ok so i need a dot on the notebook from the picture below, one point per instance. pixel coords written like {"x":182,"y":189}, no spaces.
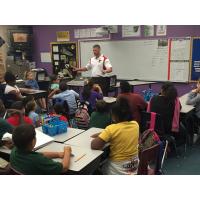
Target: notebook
{"x":42,"y":139}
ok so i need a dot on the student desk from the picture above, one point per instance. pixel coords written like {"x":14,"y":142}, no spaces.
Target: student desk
{"x":185,"y":108}
{"x":76,"y":84}
{"x":86,"y":165}
{"x":84,"y":139}
{"x":36,"y":93}
{"x":109,"y":100}
{"x":42,"y":140}
{"x":71,"y":132}
{"x":134,"y":83}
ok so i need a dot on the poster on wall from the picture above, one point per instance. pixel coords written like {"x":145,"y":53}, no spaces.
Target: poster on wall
{"x":131,"y":31}
{"x":148,"y":30}
{"x":45,"y":57}
{"x":161,"y":30}
{"x":63,"y":36}
{"x":195,"y":67}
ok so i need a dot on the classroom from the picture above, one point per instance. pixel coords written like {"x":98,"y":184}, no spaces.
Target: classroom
{"x":99,"y":99}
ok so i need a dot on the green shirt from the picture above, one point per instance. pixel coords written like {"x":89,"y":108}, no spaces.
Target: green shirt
{"x":100,"y":120}
{"x":33,"y":163}
{"x":4,"y":127}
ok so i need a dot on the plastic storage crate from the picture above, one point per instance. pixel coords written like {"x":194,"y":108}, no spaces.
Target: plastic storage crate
{"x":54,"y":127}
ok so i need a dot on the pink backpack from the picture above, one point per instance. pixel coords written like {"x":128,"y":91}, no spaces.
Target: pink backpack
{"x":149,"y":137}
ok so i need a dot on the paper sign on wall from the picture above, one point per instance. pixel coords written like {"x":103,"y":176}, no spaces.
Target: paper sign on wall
{"x":63,"y":36}
{"x":148,"y":30}
{"x":45,"y":57}
{"x":55,"y":49}
{"x":130,"y":31}
{"x":161,"y":30}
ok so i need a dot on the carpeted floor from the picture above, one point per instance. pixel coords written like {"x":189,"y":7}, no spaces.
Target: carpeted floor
{"x":186,"y":164}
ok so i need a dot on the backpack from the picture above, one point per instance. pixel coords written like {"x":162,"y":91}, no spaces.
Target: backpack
{"x":149,"y":137}
{"x":148,"y":94}
{"x":82,"y":117}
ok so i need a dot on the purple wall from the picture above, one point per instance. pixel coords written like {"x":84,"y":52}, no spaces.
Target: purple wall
{"x":43,"y":35}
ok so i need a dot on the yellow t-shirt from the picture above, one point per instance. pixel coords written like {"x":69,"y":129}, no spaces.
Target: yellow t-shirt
{"x":123,"y":138}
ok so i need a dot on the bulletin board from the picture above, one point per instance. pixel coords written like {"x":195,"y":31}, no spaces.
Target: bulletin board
{"x":64,"y":56}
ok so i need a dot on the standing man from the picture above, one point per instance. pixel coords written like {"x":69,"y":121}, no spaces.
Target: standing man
{"x":99,"y":64}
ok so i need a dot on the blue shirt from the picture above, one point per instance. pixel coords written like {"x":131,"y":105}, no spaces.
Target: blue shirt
{"x":32,"y":84}
{"x":70,"y":96}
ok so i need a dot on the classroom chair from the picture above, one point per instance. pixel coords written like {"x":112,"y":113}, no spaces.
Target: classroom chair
{"x":14,"y":171}
{"x":5,"y":171}
{"x":147,"y":158}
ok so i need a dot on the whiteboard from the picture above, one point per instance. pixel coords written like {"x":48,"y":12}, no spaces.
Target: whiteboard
{"x":131,"y":59}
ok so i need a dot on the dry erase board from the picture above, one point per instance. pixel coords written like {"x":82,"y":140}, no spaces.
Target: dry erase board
{"x":132,"y":59}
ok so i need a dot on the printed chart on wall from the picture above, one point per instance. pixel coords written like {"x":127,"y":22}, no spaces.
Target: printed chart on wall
{"x":179,"y":59}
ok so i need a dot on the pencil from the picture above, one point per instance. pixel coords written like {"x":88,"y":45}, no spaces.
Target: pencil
{"x":80,"y":158}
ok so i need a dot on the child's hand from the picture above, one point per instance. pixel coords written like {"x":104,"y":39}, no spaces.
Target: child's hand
{"x":60,"y":154}
{"x":68,"y":149}
{"x":95,"y":135}
{"x":194,"y":91}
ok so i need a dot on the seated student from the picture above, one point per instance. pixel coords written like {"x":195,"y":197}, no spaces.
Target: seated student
{"x":24,"y":160}
{"x":193,"y":118}
{"x":101,"y":117}
{"x":168,"y":106}
{"x":30,"y":108}
{"x":123,"y":138}
{"x":54,"y":87}
{"x":137,"y":102}
{"x":69,"y":96}
{"x":60,"y":112}
{"x":16,"y":119}
{"x":11,"y":87}
{"x":91,"y":93}
{"x":4,"y":125}
{"x":32,"y":84}
{"x":54,"y":82}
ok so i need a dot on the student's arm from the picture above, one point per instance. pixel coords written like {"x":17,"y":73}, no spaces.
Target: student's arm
{"x":75,"y":94}
{"x":53,"y":92}
{"x":17,"y":94}
{"x":65,"y":155}
{"x":99,"y":142}
{"x":99,"y":89}
{"x":66,"y":158}
{"x":36,"y":85}
{"x":193,"y":98}
{"x":53,"y":154}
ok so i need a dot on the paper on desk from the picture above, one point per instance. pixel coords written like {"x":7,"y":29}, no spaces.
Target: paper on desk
{"x":42,"y":139}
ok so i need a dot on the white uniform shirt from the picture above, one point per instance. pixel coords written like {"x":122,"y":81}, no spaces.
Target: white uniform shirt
{"x":96,"y":65}
{"x":10,"y":88}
